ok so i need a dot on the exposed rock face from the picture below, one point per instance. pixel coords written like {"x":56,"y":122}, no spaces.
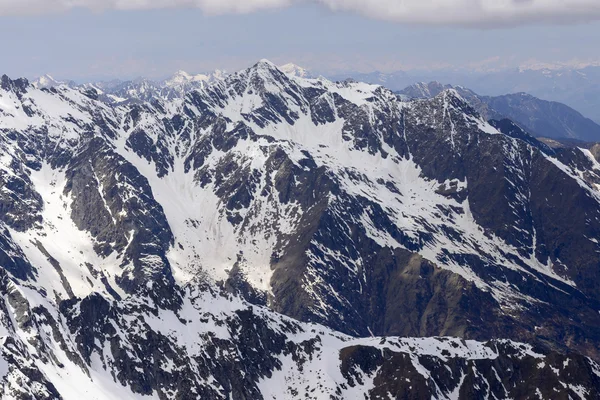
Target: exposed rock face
{"x":468,"y":379}
{"x":154,"y":247}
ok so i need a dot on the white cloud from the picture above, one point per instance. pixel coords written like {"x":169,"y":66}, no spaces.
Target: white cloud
{"x":8,"y":7}
{"x":450,"y":12}
{"x":472,"y":12}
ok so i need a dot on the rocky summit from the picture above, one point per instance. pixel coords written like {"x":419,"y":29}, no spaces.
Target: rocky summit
{"x":271,"y":236}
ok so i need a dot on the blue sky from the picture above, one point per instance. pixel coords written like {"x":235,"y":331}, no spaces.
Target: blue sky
{"x":87,"y":43}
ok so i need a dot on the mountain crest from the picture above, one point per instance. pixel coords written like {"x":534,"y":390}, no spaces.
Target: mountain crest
{"x":18,"y":86}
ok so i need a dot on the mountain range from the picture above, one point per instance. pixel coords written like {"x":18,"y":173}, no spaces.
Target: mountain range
{"x":575,"y":86}
{"x":138,"y":90}
{"x":539,"y":117}
{"x":543,"y":118}
{"x":267,"y":235}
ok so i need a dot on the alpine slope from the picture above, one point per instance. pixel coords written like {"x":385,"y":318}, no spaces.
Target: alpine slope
{"x":269,"y":235}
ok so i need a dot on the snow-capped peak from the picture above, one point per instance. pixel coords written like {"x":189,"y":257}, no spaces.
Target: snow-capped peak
{"x":182,"y":78}
{"x":182,"y":75}
{"x":295,"y":70}
{"x":46,"y":81}
{"x":264,"y":65}
{"x":264,"y":61}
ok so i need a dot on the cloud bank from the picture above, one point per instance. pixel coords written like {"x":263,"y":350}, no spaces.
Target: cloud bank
{"x":479,"y":13}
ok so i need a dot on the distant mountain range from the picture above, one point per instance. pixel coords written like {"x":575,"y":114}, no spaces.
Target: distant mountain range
{"x":540,"y":117}
{"x":141,"y":89}
{"x":578,"y":87}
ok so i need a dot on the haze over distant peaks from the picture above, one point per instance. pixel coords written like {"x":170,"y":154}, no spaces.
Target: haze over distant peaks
{"x":295,"y":70}
{"x":47,"y":81}
{"x":181,"y":77}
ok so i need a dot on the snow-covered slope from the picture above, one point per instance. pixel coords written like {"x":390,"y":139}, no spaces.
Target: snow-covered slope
{"x":153,"y":247}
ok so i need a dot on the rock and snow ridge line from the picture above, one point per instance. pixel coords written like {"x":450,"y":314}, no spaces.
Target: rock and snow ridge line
{"x":483,"y":125}
{"x":357,"y":94}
